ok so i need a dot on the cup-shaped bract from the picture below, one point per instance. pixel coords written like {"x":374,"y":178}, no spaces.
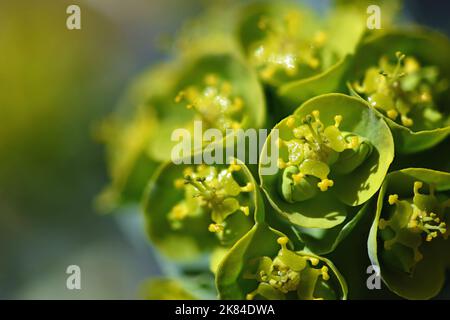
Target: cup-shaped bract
{"x":128,"y":134}
{"x":408,"y":239}
{"x":212,"y":91}
{"x":261,"y":266}
{"x":192,"y":210}
{"x":296,"y":51}
{"x":334,"y":153}
{"x":399,"y":76}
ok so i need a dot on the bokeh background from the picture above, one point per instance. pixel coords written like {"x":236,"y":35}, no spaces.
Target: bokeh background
{"x":55,"y":87}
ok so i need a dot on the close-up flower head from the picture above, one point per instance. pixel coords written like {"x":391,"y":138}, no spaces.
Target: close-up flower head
{"x":246,"y":151}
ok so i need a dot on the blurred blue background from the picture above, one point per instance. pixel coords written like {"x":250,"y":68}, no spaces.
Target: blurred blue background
{"x":55,"y":87}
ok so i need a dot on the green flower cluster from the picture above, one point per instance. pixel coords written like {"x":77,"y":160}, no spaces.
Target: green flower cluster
{"x":353,"y":109}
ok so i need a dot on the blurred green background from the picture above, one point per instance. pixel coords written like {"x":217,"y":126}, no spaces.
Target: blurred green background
{"x":55,"y":87}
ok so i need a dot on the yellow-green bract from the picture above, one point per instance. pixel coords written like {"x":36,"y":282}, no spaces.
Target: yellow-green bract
{"x":408,"y":240}
{"x":260,"y":265}
{"x":193,"y":210}
{"x":423,"y":119}
{"x":328,"y":208}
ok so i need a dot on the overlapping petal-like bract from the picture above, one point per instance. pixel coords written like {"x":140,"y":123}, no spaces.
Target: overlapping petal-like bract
{"x":409,"y":236}
{"x":398,"y":74}
{"x":274,"y":272}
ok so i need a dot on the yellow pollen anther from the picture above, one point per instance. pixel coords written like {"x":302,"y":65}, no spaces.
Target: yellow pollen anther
{"x":316,"y":114}
{"x":213,"y":227}
{"x":282,"y":241}
{"x":417,"y":186}
{"x":392,"y":199}
{"x":234,"y":167}
{"x":245,"y":210}
{"x":325,"y":274}
{"x":188,"y":171}
{"x":337,"y":121}
{"x":281,"y":164}
{"x":407,"y":122}
{"x":290,"y":122}
{"x":354,"y":142}
{"x":211,"y":80}
{"x":179,"y":183}
{"x":325,"y":184}
{"x":314,"y":261}
{"x":248,"y":188}
{"x":297,"y":177}
{"x":392,"y":114}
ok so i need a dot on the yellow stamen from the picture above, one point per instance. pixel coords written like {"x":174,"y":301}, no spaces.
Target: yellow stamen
{"x":325,"y":274}
{"x":337,"y":120}
{"x":248,"y":188}
{"x":281,"y":164}
{"x":234,"y":167}
{"x":245,"y":210}
{"x":354,"y":142}
{"x":188,"y":171}
{"x":393,"y":198}
{"x":179,"y":183}
{"x":282,"y":241}
{"x":407,"y":122}
{"x":290,"y":122}
{"x":214,"y":227}
{"x":314,"y":261}
{"x":392,"y":114}
{"x":325,"y":184}
{"x":298,"y":177}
